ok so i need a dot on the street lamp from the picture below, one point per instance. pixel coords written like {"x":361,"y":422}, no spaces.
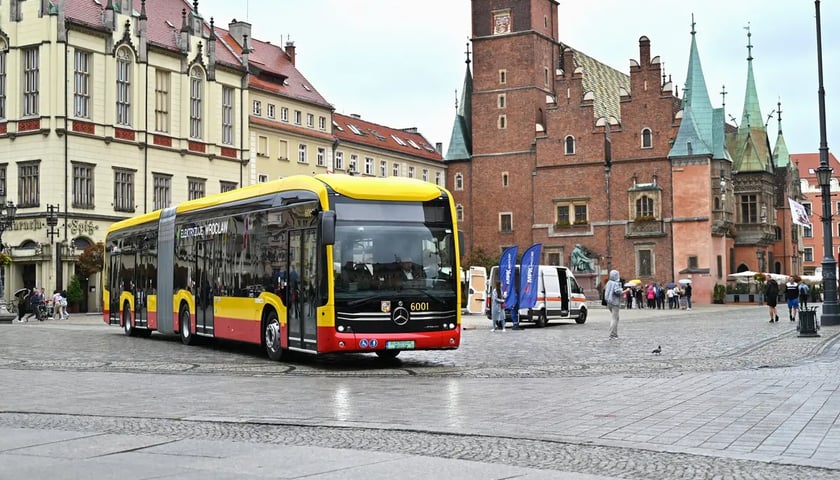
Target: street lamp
{"x":7,"y":218}
{"x":830,"y":313}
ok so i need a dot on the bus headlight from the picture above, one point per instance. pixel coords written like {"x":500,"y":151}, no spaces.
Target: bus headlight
{"x":341,"y":328}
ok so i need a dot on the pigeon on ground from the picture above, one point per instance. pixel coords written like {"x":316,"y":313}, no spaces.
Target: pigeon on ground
{"x":657,"y":350}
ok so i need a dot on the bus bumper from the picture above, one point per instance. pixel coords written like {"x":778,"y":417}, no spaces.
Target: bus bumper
{"x":332,"y":341}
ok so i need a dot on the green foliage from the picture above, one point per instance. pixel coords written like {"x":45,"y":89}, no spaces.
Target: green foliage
{"x":92,"y":259}
{"x":719,"y":293}
{"x":479,"y":258}
{"x":74,"y":291}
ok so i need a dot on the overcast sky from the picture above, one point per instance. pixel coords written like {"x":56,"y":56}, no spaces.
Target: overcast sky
{"x":399,"y":62}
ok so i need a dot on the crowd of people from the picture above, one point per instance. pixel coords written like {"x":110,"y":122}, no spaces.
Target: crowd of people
{"x":796,"y":295}
{"x":34,"y":304}
{"x":655,"y":296}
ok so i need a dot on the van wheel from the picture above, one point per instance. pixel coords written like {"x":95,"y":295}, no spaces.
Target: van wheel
{"x":542,"y":319}
{"x":581,"y":319}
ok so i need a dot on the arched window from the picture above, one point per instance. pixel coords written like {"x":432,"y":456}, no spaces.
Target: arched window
{"x":196,"y":92}
{"x":459,"y":212}
{"x":124,"y":93}
{"x":459,"y":181}
{"x":644,"y":207}
{"x":570,"y":145}
{"x":647,"y":138}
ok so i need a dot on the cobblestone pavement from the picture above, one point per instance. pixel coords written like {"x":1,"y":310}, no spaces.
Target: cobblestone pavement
{"x":731,"y":396}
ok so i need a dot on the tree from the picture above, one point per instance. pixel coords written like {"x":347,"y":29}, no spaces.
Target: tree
{"x":91,"y":260}
{"x":75,"y":295}
{"x":479,"y":258}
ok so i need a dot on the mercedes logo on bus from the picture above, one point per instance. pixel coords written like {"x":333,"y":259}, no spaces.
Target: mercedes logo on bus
{"x":401,"y":315}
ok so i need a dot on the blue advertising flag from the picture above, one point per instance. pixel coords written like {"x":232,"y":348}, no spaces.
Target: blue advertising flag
{"x":507,"y":276}
{"x":528,"y":271}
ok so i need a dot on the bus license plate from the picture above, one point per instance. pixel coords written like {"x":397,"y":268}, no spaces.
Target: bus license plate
{"x":400,"y":345}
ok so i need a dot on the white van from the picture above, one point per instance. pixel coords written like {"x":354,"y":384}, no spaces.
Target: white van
{"x":559,"y":297}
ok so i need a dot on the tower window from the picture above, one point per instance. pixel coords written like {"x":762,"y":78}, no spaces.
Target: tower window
{"x":502,"y":122}
{"x":647,"y":138}
{"x":570,"y":145}
{"x":502,"y":76}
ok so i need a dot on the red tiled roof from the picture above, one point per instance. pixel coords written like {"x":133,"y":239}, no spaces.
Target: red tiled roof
{"x":807,"y":162}
{"x":164,"y":26}
{"x":290,"y":128}
{"x":379,"y":136}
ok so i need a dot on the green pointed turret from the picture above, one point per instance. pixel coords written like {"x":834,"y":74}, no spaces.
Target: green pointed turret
{"x":696,"y":134}
{"x":460,"y":141}
{"x":750,"y":145}
{"x":780,"y":151}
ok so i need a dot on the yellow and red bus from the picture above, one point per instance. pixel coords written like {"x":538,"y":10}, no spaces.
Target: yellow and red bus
{"x":317,"y":264}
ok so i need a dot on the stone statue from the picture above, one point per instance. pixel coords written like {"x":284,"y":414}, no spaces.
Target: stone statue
{"x":581,"y":262}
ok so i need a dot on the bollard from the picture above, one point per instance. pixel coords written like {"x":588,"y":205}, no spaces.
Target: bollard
{"x":808,"y":323}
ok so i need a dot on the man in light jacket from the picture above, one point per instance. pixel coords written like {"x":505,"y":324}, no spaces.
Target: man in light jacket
{"x":612,"y":293}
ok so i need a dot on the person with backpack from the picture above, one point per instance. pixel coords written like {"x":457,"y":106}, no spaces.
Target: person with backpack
{"x":771,"y":296}
{"x":792,"y":297}
{"x":804,"y":291}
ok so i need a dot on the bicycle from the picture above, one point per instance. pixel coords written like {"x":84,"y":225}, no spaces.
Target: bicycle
{"x":10,"y":305}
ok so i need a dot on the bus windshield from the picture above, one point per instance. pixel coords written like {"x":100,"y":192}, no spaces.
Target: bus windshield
{"x":411,"y":253}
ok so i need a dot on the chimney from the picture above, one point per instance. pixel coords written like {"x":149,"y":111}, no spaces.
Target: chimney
{"x":245,"y":51}
{"x":644,"y":52}
{"x":239,"y":31}
{"x":439,"y":147}
{"x":211,"y":52}
{"x":290,"y":51}
{"x":143,"y":32}
{"x":109,"y":16}
{"x":185,"y":32}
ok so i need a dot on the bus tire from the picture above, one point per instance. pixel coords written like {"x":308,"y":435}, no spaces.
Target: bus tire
{"x":271,"y":337}
{"x":387,"y":354}
{"x":542,"y":319}
{"x":581,"y":319}
{"x":128,"y":329}
{"x":187,"y":338}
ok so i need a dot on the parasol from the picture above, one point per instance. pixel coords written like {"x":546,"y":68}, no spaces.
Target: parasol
{"x":21,"y":292}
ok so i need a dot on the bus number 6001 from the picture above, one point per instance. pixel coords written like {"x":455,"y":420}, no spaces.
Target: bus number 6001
{"x":419,"y":306}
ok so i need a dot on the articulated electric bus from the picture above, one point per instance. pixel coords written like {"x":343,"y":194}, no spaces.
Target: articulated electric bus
{"x":324,"y":263}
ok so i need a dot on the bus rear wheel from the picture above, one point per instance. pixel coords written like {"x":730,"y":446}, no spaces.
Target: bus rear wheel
{"x":128,"y":329}
{"x":271,"y":337}
{"x":187,"y":338}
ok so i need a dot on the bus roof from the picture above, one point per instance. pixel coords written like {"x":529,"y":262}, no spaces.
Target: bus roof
{"x":365,"y":188}
{"x":382,"y":188}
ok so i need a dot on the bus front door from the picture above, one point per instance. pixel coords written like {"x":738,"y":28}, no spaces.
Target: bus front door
{"x":303,"y":295}
{"x":114,"y":289}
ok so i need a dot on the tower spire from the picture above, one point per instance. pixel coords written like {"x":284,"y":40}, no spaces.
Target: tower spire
{"x":468,"y":53}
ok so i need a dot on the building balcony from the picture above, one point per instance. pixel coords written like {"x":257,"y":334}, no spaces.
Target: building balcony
{"x":645,"y":228}
{"x":755,"y":234}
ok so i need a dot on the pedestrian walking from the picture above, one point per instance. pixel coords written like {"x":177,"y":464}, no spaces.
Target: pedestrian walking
{"x":804,"y":291}
{"x":613,"y":292}
{"x":687,"y":296}
{"x":792,"y":297}
{"x":22,"y":296}
{"x":56,"y":303}
{"x":497,"y":307}
{"x":771,"y":296}
{"x":36,"y":303}
{"x":63,"y":300}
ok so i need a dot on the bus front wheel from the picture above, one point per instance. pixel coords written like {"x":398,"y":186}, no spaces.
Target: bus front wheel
{"x":187,"y":338}
{"x":271,"y":337}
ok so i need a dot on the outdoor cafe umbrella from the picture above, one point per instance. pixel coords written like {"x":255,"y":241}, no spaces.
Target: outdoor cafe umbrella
{"x":745,"y":277}
{"x":685,"y":281}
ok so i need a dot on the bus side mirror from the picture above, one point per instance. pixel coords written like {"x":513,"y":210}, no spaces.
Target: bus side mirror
{"x":327,"y":220}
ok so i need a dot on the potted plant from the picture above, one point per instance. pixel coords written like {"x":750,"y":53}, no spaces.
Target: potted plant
{"x":718,"y":293}
{"x":562,"y":224}
{"x":644,"y":218}
{"x":5,"y":260}
{"x":74,"y":294}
